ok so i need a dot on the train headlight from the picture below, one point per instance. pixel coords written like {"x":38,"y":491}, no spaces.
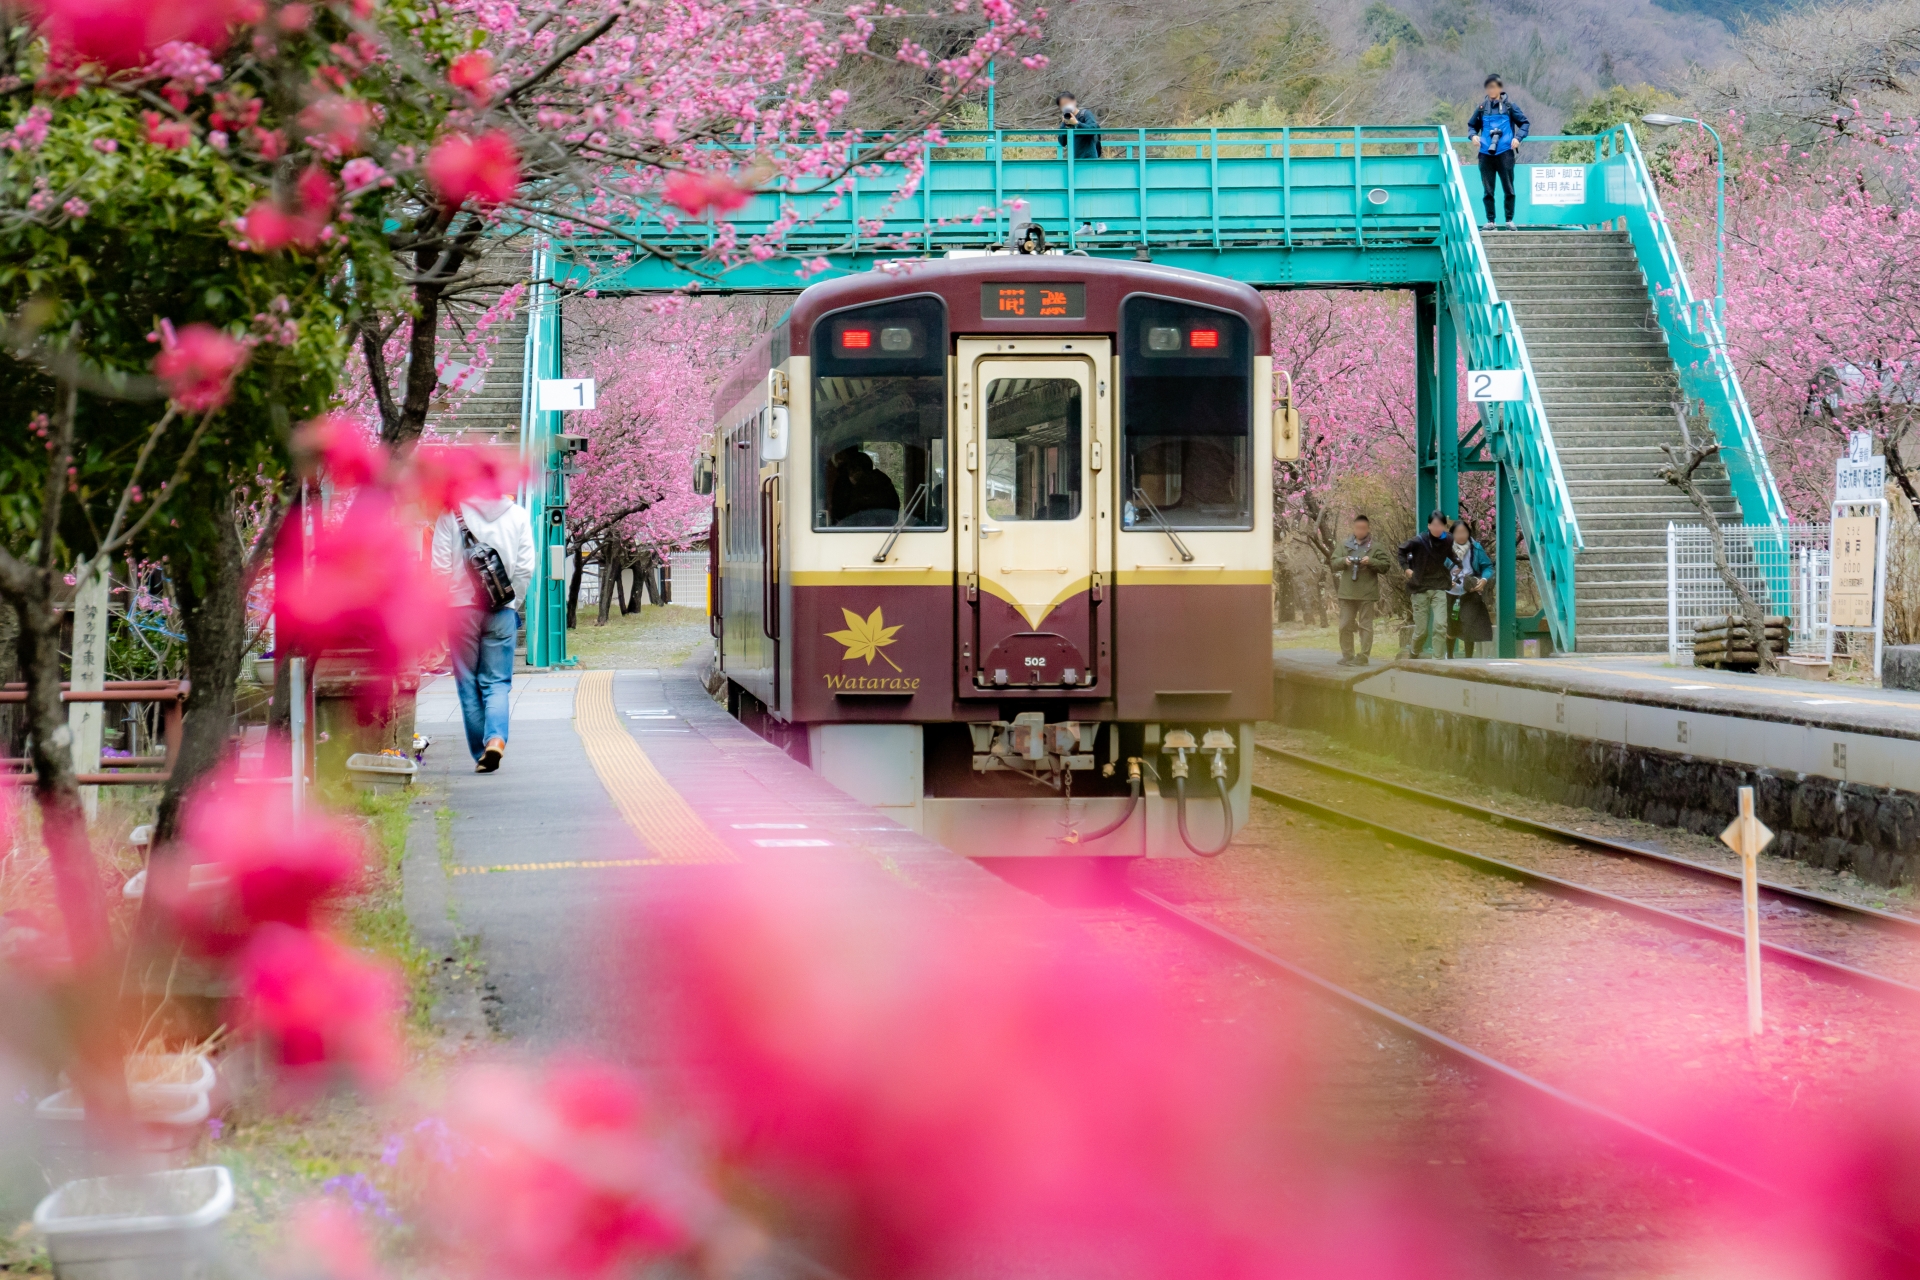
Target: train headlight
{"x":896,"y":338}
{"x":1163,"y":338}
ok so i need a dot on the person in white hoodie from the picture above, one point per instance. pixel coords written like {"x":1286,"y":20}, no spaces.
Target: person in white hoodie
{"x":481,"y":639}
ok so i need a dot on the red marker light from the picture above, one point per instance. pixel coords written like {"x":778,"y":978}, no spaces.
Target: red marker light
{"x":856,"y":339}
{"x":1203,"y":339}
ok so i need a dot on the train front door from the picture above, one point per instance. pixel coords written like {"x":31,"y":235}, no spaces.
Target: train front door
{"x":1034,"y":559}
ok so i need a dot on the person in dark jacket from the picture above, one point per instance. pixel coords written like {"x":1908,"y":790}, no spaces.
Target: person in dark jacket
{"x":1429,"y":570}
{"x":1469,"y":622}
{"x":1499,"y":126}
{"x":1079,"y":121}
{"x":1362,"y":561}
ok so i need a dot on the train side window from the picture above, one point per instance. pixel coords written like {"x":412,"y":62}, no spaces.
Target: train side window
{"x":1186,"y":415}
{"x":1033,"y":449}
{"x":880,"y":416}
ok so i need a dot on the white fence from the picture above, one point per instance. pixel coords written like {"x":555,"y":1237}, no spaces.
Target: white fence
{"x":1787,"y":567}
{"x":689,"y":571}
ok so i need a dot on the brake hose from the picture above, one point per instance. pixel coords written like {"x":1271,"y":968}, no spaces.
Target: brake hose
{"x":1180,"y":815}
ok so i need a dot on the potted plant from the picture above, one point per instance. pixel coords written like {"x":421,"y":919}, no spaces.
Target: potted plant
{"x":148,"y":1226}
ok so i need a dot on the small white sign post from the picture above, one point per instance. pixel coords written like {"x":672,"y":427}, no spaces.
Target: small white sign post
{"x":562,"y":395}
{"x":1859,"y":542}
{"x":1490,"y":385}
{"x":1747,"y":836}
{"x":86,"y":720}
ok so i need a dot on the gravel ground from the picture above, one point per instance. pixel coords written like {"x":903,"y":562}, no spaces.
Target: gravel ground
{"x":1855,"y":941}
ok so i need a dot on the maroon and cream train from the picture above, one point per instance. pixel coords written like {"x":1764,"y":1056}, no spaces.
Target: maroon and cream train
{"x":992,"y":548}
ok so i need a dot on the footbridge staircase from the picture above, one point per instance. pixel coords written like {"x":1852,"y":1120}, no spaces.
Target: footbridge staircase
{"x":1588,"y":300}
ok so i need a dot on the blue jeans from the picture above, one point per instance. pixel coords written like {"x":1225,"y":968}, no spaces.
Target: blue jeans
{"x":482,"y":650}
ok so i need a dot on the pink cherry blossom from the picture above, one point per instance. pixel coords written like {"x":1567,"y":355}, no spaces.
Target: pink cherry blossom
{"x":362,"y":175}
{"x":246,"y":864}
{"x":697,"y":192}
{"x":472,"y":74}
{"x":321,"y":1007}
{"x":563,"y":1174}
{"x":336,"y":125}
{"x":439,"y":478}
{"x":342,"y":446}
{"x":485,"y":169}
{"x":163,"y":131}
{"x":198,"y":366}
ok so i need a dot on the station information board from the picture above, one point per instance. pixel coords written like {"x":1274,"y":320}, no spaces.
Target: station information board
{"x":1033,"y":301}
{"x":1854,"y":566}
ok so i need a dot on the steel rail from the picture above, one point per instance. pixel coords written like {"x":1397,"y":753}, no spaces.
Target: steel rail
{"x":1784,"y":893}
{"x":1804,"y":962}
{"x":1429,"y":1038}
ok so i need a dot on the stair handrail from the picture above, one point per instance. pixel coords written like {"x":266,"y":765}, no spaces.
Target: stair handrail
{"x":1691,"y":327}
{"x":1519,"y":431}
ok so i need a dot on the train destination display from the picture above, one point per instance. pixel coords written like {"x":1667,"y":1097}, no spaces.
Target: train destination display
{"x":1064,"y":301}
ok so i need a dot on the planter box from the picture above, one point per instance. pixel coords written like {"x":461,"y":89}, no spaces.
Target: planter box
{"x":162,"y":1134}
{"x":154,"y":1226}
{"x":187,"y":1078}
{"x":380,"y":773}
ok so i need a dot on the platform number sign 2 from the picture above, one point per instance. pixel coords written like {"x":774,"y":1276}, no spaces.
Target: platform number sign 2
{"x":1484,"y":385}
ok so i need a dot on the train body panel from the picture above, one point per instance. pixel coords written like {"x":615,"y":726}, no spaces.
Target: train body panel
{"x":1017,"y":510}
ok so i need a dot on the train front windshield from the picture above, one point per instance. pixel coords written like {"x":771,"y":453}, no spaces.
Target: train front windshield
{"x":880,"y":417}
{"x":1186,"y":416}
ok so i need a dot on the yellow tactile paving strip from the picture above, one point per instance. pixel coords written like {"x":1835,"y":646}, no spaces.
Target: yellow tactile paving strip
{"x":559,"y":866}
{"x":645,"y":799}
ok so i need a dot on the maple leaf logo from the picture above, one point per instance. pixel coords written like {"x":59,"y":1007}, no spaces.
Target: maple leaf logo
{"x":865,"y":637}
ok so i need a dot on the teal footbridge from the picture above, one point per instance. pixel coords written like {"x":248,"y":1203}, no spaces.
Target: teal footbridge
{"x":1366,"y":207}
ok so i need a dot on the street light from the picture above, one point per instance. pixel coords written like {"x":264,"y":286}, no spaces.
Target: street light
{"x":1661,"y":120}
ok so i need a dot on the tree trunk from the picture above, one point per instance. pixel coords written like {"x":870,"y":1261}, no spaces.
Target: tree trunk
{"x":573,"y":588}
{"x":213,"y":614}
{"x":1680,"y":475}
{"x":609,"y":583}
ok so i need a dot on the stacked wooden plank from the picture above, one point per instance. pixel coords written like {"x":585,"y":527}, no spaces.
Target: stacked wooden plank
{"x":1726,"y":642}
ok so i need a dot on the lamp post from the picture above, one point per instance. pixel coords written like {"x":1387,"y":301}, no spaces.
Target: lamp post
{"x":1661,"y":120}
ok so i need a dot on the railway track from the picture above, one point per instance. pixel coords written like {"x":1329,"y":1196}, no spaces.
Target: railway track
{"x":1712,"y":890}
{"x":1648,"y":1140}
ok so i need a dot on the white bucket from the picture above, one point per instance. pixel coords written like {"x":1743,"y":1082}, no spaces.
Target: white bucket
{"x":147,"y":1226}
{"x":162,"y":1134}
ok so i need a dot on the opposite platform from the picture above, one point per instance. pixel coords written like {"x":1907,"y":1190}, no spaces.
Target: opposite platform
{"x":1835,"y":767}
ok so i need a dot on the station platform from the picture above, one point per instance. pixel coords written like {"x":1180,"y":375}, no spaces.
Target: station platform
{"x":618,"y":787}
{"x":1835,"y":767}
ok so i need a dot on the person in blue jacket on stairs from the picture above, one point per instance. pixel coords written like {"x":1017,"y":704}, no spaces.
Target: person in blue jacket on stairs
{"x":1499,"y":126}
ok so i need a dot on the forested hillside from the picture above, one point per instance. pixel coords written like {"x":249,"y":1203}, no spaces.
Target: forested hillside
{"x":1140,"y":62}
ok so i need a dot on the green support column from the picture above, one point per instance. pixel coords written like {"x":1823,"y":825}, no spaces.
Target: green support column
{"x":544,"y":496}
{"x":1426,"y":486}
{"x":1447,"y":420}
{"x":1506,"y":557}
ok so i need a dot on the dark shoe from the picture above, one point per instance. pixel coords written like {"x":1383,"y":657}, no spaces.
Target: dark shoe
{"x":1362,"y":661}
{"x":490,"y":758}
{"x":1344,"y":662}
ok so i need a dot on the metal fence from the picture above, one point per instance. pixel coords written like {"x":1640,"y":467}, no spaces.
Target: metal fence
{"x":1787,"y":567}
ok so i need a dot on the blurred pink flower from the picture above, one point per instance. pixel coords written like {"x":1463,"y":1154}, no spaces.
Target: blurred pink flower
{"x":246,"y":864}
{"x":472,"y":73}
{"x":197,"y":366}
{"x":337,"y":125}
{"x":120,"y":34}
{"x":560,"y":1174}
{"x":362,"y":175}
{"x":485,"y":169}
{"x":330,"y":1241}
{"x":365,"y":587}
{"x":343,"y":447}
{"x":954,"y":1091}
{"x":163,"y":131}
{"x":322,"y":1006}
{"x":439,"y":478}
{"x":697,"y":192}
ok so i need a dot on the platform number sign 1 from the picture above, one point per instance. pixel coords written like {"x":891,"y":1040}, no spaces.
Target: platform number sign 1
{"x":1485,"y":385}
{"x":560,"y":395}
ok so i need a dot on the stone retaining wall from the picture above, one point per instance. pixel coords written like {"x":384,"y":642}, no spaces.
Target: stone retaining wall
{"x":1873,"y":832}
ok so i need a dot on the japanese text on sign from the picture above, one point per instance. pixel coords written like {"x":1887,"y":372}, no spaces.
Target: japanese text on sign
{"x":1860,"y":480}
{"x":1853,"y":571}
{"x":1559,"y":183}
{"x":1066,"y":301}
